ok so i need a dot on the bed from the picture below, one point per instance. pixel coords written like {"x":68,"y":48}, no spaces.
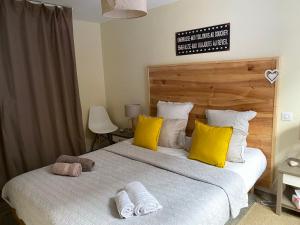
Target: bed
{"x":40,"y":198}
{"x":191,"y":193}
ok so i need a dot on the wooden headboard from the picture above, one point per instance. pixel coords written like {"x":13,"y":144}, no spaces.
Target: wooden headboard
{"x":237,"y":85}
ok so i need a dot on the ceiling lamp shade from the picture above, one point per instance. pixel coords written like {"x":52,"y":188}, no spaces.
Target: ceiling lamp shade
{"x":124,"y":9}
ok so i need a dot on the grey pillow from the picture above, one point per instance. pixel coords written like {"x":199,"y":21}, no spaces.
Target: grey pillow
{"x":240,"y":123}
{"x":169,"y":133}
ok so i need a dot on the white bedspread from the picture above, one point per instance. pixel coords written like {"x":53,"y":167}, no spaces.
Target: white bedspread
{"x":41,"y":198}
{"x":253,"y":167}
{"x":250,"y":171}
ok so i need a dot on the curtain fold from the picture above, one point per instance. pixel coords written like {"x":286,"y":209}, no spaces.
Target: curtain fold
{"x":40,"y":112}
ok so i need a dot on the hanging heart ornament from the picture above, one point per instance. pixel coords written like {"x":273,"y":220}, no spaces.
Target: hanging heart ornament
{"x":271,"y":75}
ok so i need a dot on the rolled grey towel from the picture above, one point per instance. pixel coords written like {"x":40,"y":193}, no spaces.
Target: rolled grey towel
{"x":67,"y":169}
{"x":87,"y":164}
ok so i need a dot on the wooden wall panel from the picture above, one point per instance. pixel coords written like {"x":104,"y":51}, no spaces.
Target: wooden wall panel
{"x":237,"y":85}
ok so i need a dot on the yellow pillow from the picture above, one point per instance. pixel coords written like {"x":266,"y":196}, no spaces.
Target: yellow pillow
{"x":147,"y":132}
{"x":210,"y":144}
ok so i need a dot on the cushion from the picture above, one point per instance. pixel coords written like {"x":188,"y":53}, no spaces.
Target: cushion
{"x":147,"y":132}
{"x":187,"y":143}
{"x":240,"y":123}
{"x":170,"y":131}
{"x":174,"y":110}
{"x":184,"y":141}
{"x":210,"y":144}
{"x":181,"y":139}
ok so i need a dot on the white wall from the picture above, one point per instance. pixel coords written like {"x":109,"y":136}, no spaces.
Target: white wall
{"x":88,"y":51}
{"x":258,"y":29}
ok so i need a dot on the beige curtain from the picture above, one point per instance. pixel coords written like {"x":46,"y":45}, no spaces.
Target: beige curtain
{"x":40,"y":112}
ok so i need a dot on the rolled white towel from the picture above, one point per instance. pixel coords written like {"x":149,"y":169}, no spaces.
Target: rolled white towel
{"x":143,"y":201}
{"x":124,"y":205}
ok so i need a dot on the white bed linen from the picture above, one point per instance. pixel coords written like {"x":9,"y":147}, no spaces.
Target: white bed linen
{"x":251,"y":170}
{"x":253,"y":167}
{"x":40,"y":198}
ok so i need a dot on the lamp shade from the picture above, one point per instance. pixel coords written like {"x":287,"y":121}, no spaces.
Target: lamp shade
{"x":132,"y":110}
{"x":124,"y":9}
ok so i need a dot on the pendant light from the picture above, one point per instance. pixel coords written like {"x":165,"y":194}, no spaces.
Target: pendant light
{"x":124,"y":9}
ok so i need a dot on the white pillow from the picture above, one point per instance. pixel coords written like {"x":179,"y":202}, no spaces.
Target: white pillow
{"x":170,"y":131}
{"x":240,"y":123}
{"x":181,"y":139}
{"x":174,"y":110}
{"x":184,"y":141}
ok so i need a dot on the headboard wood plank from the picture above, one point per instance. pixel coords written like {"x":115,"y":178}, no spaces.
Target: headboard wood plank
{"x":237,"y":85}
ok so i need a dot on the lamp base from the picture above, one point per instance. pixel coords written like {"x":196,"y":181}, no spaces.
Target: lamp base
{"x":133,"y":123}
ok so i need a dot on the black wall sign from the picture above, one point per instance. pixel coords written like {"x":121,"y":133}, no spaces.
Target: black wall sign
{"x":202,"y":40}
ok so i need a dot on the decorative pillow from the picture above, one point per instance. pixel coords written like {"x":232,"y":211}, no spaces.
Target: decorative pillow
{"x":147,"y":132}
{"x":181,"y":139}
{"x":188,"y":143}
{"x":240,"y":123}
{"x":174,"y":110}
{"x":170,"y":131}
{"x":184,"y":141}
{"x":210,"y":144}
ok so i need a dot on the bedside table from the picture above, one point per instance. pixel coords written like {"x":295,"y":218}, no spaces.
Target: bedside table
{"x":288,"y":181}
{"x":118,"y":136}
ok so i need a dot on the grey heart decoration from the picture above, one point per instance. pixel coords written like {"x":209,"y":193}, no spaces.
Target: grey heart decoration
{"x":272,"y":75}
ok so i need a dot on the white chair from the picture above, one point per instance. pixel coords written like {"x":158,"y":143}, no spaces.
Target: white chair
{"x":100,"y":124}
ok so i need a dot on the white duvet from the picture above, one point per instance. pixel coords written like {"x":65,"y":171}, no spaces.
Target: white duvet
{"x":41,"y":198}
{"x":251,"y":170}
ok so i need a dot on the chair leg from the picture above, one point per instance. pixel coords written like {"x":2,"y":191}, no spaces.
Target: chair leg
{"x":109,"y":137}
{"x":94,"y":142}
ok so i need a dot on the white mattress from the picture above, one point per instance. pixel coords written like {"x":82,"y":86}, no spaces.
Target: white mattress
{"x":254,"y":166}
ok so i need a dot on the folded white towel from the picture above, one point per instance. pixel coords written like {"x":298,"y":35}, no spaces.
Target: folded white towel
{"x":143,"y":201}
{"x":124,"y":205}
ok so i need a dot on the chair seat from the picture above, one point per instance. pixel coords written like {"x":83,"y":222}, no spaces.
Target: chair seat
{"x":103,"y":130}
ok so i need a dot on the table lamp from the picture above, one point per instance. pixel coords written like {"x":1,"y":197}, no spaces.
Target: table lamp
{"x":132,"y":111}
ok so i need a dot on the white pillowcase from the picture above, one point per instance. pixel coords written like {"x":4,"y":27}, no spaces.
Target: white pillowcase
{"x":174,"y":110}
{"x":184,"y":141}
{"x":181,"y":139}
{"x":240,"y":123}
{"x":169,"y":133}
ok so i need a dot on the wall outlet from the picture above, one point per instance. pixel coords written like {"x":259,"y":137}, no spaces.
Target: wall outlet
{"x":287,"y":116}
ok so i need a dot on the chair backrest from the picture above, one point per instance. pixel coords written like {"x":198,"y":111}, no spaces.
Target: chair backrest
{"x":99,"y":121}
